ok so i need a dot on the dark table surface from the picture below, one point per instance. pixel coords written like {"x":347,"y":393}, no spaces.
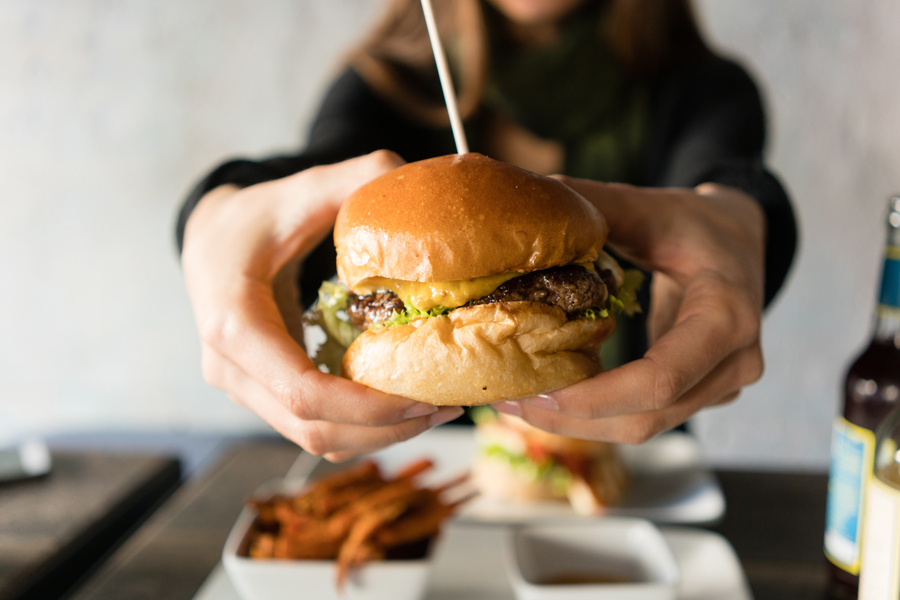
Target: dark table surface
{"x":170,"y":556}
{"x":55,"y":529}
{"x":774,"y":521}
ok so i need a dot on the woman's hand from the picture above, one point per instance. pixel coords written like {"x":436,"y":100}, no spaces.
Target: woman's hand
{"x":706,"y":249}
{"x":241,"y":251}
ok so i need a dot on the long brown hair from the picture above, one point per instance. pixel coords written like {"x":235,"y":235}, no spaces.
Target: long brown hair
{"x":646,"y":36}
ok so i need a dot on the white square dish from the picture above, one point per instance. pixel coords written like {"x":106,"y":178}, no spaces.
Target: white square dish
{"x":558,"y":561}
{"x":274,"y":579}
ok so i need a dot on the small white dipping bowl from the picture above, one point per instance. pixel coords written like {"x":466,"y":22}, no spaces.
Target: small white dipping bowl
{"x":612,"y":547}
{"x":274,"y":579}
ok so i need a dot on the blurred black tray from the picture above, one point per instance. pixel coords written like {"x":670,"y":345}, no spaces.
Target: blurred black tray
{"x":56,"y":529}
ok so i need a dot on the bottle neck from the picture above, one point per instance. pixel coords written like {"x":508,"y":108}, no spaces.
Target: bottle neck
{"x":887,"y":313}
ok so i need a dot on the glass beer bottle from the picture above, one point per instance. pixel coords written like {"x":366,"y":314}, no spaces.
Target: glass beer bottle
{"x":871,"y":389}
{"x":879,"y":576}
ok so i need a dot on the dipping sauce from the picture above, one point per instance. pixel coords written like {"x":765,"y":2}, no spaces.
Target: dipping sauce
{"x":584,"y":578}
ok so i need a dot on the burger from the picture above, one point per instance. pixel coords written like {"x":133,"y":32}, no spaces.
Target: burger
{"x":464,"y":281}
{"x":520,"y":463}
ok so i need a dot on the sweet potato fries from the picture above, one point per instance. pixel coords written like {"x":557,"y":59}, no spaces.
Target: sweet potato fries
{"x":354,"y":516}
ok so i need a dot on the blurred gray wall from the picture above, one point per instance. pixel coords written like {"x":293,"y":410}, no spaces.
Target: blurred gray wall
{"x":829,"y":71}
{"x":110,"y":110}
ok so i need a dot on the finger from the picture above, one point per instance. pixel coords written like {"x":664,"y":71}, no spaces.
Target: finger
{"x":339,"y":457}
{"x":313,"y":395}
{"x":722,"y":385}
{"x":343,"y":456}
{"x":713,"y":324}
{"x":666,"y":297}
{"x":727,"y":399}
{"x":337,"y":181}
{"x":323,"y":437}
{"x":309,"y":202}
{"x":627,"y":210}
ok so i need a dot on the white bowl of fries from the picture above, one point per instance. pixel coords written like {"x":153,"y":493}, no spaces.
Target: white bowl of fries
{"x":371,"y":539}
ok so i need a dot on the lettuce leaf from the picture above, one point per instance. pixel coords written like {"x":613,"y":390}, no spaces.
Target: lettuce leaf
{"x":546,"y":470}
{"x":549,"y":470}
{"x":332,"y":311}
{"x":625,"y":299}
{"x":332,"y":306}
{"x":482,"y":414}
{"x":593,"y":314}
{"x":410,"y":314}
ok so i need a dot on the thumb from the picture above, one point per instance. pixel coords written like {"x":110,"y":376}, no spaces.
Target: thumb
{"x":310,"y":200}
{"x":628,"y":211}
{"x":334,"y":183}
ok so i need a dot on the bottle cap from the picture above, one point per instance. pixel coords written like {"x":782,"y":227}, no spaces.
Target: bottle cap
{"x":893,"y":216}
{"x":894,"y":204}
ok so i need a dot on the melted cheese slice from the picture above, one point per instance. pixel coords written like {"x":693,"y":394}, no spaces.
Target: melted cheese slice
{"x":425,"y":295}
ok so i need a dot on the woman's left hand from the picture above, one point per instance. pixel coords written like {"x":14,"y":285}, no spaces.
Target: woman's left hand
{"x":706,"y":249}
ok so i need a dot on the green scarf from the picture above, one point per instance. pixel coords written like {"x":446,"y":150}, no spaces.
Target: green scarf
{"x":573,"y":91}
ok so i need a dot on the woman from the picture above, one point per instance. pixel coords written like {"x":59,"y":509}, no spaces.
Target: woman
{"x":601,"y":90}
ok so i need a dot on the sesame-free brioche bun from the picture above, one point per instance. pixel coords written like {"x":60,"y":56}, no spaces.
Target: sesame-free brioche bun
{"x":458,"y":217}
{"x":479,"y":354}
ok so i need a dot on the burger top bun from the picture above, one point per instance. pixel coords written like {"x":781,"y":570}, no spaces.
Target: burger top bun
{"x":458,"y":217}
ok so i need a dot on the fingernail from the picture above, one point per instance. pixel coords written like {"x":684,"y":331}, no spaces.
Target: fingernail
{"x":445,"y":414}
{"x":510,"y":407}
{"x":420,"y":410}
{"x":543,"y":401}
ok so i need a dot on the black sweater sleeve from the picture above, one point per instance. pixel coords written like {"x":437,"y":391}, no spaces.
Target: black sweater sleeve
{"x":709,"y":126}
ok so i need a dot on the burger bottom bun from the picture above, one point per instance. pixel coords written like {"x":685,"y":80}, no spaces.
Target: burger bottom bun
{"x":479,"y":354}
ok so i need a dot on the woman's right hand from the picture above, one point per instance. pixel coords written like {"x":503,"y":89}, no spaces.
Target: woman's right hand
{"x":241,"y":249}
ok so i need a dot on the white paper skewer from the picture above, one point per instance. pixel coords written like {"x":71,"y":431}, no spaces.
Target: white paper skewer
{"x":459,"y":134}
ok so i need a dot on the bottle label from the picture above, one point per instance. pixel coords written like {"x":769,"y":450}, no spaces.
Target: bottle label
{"x":880,"y":576}
{"x":852,"y":449}
{"x":890,"y":278}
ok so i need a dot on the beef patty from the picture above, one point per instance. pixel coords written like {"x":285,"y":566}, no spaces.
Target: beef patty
{"x":365,"y":311}
{"x":572,"y":288}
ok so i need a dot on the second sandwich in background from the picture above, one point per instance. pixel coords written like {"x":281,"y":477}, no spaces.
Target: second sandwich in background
{"x":520,"y":463}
